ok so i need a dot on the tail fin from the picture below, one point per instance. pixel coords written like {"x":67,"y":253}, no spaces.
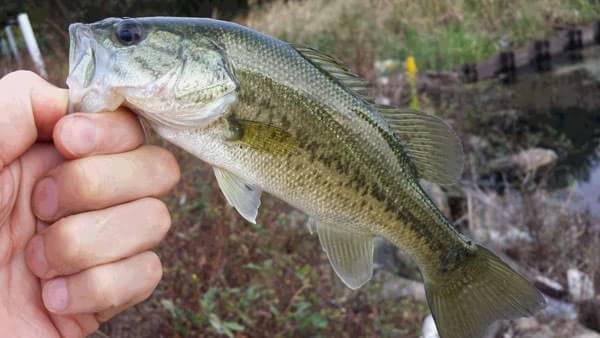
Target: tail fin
{"x":485,"y":289}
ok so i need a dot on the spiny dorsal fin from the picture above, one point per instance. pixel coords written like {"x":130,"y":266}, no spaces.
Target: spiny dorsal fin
{"x":336,"y":69}
{"x":350,"y":254}
{"x":244,"y":197}
{"x":433,"y":146}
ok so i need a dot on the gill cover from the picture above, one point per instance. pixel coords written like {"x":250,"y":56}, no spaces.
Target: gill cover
{"x":171,"y":78}
{"x":197,"y":89}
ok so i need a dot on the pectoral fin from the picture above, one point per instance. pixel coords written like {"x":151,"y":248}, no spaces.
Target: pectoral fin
{"x":350,"y":254}
{"x":244,"y":197}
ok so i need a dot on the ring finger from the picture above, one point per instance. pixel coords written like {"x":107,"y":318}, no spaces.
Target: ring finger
{"x":104,"y":288}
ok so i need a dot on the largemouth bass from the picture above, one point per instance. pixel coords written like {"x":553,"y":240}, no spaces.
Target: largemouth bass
{"x":289,"y":120}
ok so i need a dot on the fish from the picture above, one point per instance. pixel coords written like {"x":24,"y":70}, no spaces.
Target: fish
{"x":276,"y":117}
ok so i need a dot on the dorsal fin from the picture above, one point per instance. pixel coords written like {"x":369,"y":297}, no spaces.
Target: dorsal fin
{"x":432,"y":145}
{"x":336,"y":69}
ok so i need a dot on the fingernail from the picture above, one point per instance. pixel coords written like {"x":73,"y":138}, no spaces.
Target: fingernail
{"x":79,"y":135}
{"x":45,"y":199}
{"x":56,"y":295}
{"x":37,"y":256}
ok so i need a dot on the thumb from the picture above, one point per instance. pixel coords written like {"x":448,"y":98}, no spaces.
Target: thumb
{"x":29,"y":109}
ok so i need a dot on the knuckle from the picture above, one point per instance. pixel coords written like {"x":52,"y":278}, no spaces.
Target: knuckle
{"x":68,"y":250}
{"x":72,"y":329}
{"x":103,"y":289}
{"x":83,"y":180}
{"x":104,"y":316}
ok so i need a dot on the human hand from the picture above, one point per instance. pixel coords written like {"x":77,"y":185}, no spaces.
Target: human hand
{"x":77,"y":218}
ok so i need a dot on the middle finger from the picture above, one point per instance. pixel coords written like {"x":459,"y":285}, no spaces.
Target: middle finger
{"x":89,"y":239}
{"x":98,"y":182}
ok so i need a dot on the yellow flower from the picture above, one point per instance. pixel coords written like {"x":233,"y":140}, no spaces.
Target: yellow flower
{"x":411,"y":74}
{"x":411,"y":68}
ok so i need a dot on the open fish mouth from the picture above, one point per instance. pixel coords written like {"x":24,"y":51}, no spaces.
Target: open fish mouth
{"x":89,"y":62}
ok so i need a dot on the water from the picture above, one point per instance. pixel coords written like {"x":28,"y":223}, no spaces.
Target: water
{"x":560,"y":110}
{"x":577,"y":115}
{"x":589,"y":191}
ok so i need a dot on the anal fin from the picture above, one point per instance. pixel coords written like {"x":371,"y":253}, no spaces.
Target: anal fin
{"x":350,"y":254}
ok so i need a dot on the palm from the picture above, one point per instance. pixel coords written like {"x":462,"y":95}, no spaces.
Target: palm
{"x":21,"y":308}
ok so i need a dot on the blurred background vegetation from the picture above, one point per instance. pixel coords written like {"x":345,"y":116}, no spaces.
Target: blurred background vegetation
{"x":530,"y":189}
{"x":440,"y":34}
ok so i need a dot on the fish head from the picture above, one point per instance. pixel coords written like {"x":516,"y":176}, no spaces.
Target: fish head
{"x":169,"y":73}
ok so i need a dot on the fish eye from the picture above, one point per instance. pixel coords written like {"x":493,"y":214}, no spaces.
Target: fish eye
{"x":129,"y":32}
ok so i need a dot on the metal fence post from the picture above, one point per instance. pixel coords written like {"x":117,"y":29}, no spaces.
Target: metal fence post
{"x":13,"y":45}
{"x":31,"y":44}
{"x":4,"y":48}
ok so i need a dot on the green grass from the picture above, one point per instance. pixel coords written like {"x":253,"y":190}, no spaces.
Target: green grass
{"x":441,"y":34}
{"x":450,"y":47}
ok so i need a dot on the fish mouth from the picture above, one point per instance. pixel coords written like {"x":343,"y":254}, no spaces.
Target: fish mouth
{"x":89,"y":64}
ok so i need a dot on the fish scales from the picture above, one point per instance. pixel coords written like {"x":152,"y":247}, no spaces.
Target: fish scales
{"x":346,"y":158}
{"x":291,"y":121}
{"x":265,"y":58}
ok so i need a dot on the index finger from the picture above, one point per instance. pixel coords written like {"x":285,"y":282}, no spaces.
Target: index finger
{"x":85,"y":134}
{"x":29,"y":109}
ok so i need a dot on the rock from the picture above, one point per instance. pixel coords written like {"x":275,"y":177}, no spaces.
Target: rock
{"x":589,"y":334}
{"x":397,"y":287}
{"x":527,"y":160}
{"x":384,"y":100}
{"x":387,"y":66}
{"x":390,"y":258}
{"x":581,"y":286}
{"x":532,"y":328}
{"x":384,"y":255}
{"x":437,"y":195}
{"x":509,"y":237}
{"x":478,"y":143}
{"x":589,"y":314}
{"x":429,"y":329}
{"x":550,"y":287}
{"x":560,"y":310}
{"x":527,"y":324}
{"x":545,"y":328}
{"x":535,"y":158}
{"x":499,"y":220}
